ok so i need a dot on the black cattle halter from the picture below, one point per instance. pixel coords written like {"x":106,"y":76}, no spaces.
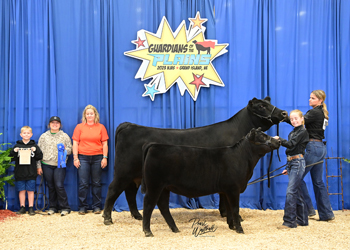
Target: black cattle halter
{"x":265,"y":117}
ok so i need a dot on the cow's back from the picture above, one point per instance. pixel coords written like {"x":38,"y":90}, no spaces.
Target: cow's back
{"x":131,"y":137}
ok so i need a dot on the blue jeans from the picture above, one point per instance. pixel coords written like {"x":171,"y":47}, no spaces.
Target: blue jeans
{"x":90,"y":166}
{"x":316,"y":151}
{"x":55,"y":181}
{"x":295,"y":212}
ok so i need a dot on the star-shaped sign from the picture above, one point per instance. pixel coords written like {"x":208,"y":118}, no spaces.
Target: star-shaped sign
{"x":197,"y":21}
{"x":173,"y":57}
{"x":197,"y":81}
{"x":150,"y":91}
{"x":139,"y":42}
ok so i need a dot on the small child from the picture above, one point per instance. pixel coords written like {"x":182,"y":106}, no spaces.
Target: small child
{"x":25,"y":174}
{"x":295,"y":210}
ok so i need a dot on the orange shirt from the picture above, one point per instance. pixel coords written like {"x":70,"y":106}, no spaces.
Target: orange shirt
{"x":90,"y":138}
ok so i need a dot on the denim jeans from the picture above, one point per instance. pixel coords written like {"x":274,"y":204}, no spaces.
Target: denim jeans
{"x":55,"y":181}
{"x":316,"y":151}
{"x":295,"y":212}
{"x":90,"y":166}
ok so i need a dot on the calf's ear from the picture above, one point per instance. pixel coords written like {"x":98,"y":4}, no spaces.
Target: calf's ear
{"x":251,"y":134}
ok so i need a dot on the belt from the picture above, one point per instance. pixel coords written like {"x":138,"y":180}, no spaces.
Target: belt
{"x":315,"y":140}
{"x":289,"y":158}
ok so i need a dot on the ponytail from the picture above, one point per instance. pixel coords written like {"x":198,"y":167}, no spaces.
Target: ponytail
{"x":320,"y":94}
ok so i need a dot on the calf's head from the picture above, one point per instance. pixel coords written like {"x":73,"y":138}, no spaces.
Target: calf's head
{"x":264,"y":114}
{"x":262,"y":142}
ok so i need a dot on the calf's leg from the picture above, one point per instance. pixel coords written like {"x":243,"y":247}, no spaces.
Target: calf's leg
{"x":163,"y":205}
{"x":149,"y":202}
{"x":233,"y":203}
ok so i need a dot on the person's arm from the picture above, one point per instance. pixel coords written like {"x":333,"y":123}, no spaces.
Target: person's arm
{"x":76,"y":161}
{"x":68,"y":144}
{"x":295,"y":140}
{"x":105,"y":154}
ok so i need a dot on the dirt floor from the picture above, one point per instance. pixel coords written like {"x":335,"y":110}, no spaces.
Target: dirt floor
{"x":76,"y":231}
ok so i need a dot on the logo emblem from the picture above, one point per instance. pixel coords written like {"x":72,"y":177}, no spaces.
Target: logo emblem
{"x":183,"y":57}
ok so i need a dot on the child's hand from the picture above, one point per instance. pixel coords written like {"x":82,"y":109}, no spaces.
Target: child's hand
{"x":33,"y":149}
{"x":285,"y":172}
{"x":39,"y":171}
{"x":16,"y":149}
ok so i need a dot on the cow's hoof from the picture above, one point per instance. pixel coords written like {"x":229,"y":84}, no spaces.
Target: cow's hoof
{"x":175,"y":230}
{"x":240,"y":230}
{"x":149,"y":234}
{"x":240,"y":218}
{"x":108,"y":222}
{"x":137,"y":216}
{"x":223,"y":214}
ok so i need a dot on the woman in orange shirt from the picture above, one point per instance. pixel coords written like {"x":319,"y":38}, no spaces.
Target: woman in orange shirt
{"x":90,"y":150}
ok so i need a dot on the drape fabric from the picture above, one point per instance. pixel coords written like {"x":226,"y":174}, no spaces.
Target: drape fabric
{"x":57,"y":56}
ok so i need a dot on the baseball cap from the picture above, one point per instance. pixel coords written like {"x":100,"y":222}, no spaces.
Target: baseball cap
{"x":55,"y":118}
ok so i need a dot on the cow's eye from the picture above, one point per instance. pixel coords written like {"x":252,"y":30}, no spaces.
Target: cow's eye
{"x":261,"y":106}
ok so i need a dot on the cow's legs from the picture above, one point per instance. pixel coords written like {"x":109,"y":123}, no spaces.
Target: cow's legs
{"x":149,"y":203}
{"x":233,"y":215}
{"x":222,"y":205}
{"x":163,"y":205}
{"x":114,"y":190}
{"x":130,"y":194}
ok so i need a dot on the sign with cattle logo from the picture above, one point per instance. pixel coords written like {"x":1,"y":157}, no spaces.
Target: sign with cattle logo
{"x":183,"y":57}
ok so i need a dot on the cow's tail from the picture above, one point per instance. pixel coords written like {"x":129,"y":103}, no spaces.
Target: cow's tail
{"x":145,"y":149}
{"x":121,"y":127}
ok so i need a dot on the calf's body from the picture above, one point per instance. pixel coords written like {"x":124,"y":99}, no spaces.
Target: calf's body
{"x":194,"y":172}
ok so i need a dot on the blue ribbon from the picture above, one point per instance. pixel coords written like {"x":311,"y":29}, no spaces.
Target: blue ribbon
{"x":62,"y":155}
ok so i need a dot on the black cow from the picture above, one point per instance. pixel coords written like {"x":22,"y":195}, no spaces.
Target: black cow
{"x":200,"y":47}
{"x":129,"y":139}
{"x":195,"y":171}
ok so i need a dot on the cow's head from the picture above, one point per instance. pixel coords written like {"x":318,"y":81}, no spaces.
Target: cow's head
{"x":262,"y":141}
{"x":264,"y":114}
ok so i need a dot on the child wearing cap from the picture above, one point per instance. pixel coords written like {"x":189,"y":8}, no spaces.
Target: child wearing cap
{"x":48,"y":166}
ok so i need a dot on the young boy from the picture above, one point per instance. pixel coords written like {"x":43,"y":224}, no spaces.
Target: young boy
{"x":295,"y":210}
{"x":25,"y":172}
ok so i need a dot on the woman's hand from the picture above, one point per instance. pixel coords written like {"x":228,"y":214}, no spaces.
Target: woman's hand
{"x":76,"y":163}
{"x":104,"y":163}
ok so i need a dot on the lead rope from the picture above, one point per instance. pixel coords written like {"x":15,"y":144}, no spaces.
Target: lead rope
{"x":278,"y":134}
{"x":257,"y":180}
{"x":45,"y":200}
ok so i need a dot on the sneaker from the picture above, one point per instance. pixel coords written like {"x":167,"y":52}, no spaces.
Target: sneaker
{"x":332,"y":218}
{"x":64,"y":213}
{"x":82,"y":212}
{"x":22,"y":210}
{"x":50,"y":212}
{"x":97,"y":211}
{"x":31,"y":211}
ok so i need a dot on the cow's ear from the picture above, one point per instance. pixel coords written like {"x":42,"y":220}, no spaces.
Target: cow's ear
{"x":267,"y":98}
{"x":250,"y":104}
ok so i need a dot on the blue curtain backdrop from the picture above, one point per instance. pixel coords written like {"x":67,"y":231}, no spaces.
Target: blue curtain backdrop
{"x":57,"y":56}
